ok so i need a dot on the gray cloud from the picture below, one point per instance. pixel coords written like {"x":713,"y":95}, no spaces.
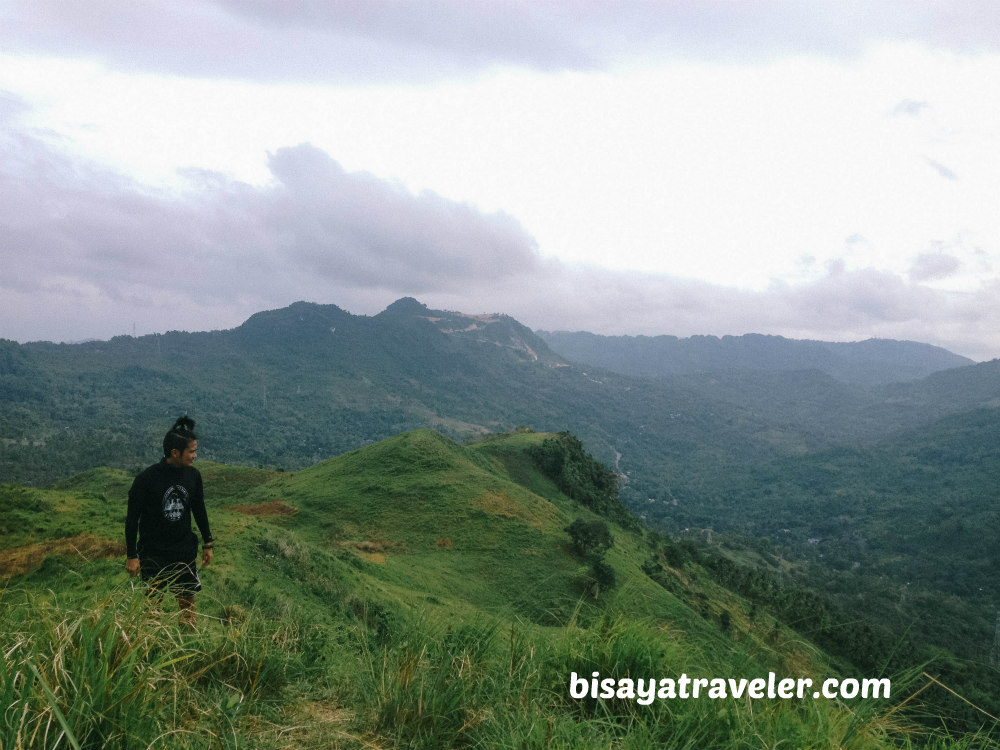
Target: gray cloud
{"x":855,"y":300}
{"x":928,"y":266}
{"x":87,"y":253}
{"x":365,"y":230}
{"x":355,"y":40}
{"x":842,"y":306}
{"x":380,"y":40}
{"x":69,"y":229}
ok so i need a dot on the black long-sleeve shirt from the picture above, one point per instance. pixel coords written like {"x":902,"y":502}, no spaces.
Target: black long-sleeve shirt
{"x":160,"y":505}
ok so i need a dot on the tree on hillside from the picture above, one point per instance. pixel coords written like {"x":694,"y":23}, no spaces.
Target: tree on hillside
{"x":565,"y":461}
{"x":591,"y":540}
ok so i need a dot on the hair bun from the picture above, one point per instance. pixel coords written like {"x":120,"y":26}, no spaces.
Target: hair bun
{"x":184,"y":423}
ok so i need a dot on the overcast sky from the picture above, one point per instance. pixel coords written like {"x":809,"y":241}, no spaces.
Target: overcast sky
{"x":823,"y":169}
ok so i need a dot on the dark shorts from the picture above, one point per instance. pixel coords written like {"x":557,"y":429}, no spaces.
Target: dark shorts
{"x":179,"y":576}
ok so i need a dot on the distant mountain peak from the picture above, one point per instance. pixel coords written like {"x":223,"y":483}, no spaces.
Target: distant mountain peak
{"x":406,"y":306}
{"x":484,"y":328}
{"x":299,"y":322}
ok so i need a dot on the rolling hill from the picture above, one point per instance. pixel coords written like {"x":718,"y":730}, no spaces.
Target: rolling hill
{"x":412,"y":593}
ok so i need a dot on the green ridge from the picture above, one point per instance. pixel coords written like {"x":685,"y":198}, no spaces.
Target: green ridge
{"x":412,"y":593}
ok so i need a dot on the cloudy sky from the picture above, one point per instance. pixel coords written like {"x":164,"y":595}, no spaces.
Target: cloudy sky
{"x":819,"y":169}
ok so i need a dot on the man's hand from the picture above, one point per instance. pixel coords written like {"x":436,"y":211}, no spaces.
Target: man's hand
{"x":206,"y":556}
{"x":132,"y":566}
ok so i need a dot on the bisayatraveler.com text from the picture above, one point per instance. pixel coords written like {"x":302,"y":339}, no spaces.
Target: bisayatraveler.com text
{"x":644,"y":691}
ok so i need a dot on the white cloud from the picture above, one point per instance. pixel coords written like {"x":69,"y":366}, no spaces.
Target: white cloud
{"x":909,"y":108}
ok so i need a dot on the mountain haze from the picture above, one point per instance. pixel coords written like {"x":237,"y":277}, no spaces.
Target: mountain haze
{"x":293,"y":386}
{"x":871,"y":362}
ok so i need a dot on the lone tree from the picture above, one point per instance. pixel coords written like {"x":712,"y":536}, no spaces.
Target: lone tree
{"x":592,"y":539}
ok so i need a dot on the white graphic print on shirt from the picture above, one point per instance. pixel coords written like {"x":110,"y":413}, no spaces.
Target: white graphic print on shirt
{"x":175,"y":500}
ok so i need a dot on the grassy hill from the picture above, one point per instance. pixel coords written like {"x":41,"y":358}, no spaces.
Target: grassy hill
{"x":411,"y":593}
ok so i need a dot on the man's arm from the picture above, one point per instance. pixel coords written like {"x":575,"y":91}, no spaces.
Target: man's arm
{"x":132,"y":521}
{"x":132,"y":531}
{"x":201,"y":518}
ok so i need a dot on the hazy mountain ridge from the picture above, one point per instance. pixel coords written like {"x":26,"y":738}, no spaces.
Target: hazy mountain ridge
{"x":870,"y":362}
{"x":293,"y":386}
{"x":312,"y":381}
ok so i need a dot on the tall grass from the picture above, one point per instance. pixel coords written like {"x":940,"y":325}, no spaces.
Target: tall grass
{"x":116,"y":673}
{"x":93,"y":678}
{"x":504,"y":686}
{"x":111,"y":673}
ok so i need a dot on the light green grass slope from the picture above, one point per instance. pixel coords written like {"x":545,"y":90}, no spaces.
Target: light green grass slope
{"x":413,"y":593}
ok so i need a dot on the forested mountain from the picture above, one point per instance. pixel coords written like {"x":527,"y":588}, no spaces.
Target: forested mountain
{"x":883,"y":496}
{"x":294,"y":386}
{"x":871,"y":362}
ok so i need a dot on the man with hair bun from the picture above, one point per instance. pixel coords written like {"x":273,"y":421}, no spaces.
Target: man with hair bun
{"x":159,"y":542}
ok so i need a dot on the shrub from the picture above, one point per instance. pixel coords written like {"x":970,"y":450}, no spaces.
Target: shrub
{"x":591,"y":539}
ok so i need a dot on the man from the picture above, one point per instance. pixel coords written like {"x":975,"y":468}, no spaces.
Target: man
{"x":161,"y":502}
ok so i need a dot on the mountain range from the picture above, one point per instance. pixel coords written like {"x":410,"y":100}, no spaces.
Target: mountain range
{"x":865,"y":471}
{"x":314,"y":380}
{"x":871,"y":362}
